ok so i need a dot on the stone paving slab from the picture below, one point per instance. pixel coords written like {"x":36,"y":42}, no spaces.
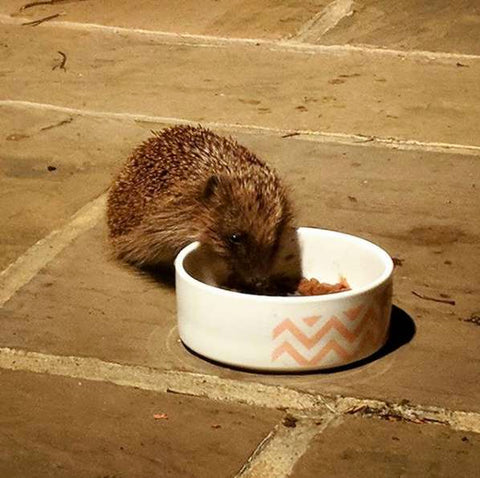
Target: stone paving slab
{"x":333,"y":92}
{"x":380,"y":449}
{"x":107,"y":311}
{"x":440,"y":26}
{"x":238,"y":18}
{"x":418,"y":205}
{"x":35,"y":199}
{"x":59,"y":427}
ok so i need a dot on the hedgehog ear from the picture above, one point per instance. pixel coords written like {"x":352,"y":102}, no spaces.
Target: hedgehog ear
{"x":210,"y":187}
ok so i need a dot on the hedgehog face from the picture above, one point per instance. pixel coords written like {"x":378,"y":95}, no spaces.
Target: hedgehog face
{"x":246,"y":221}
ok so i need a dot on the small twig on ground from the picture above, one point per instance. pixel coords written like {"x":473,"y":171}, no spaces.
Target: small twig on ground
{"x":432,"y":420}
{"x":290,"y":134}
{"x":397,"y":261}
{"x":35,"y":4}
{"x":42,"y":2}
{"x":391,"y":415}
{"x":63,"y":61}
{"x":35,"y":23}
{"x":473,"y":319}
{"x":60,"y":123}
{"x":358,"y":409}
{"x":365,"y":139}
{"x":434,"y":299}
{"x":178,"y":392}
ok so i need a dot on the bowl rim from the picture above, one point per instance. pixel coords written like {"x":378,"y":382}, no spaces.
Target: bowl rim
{"x":383,"y":278}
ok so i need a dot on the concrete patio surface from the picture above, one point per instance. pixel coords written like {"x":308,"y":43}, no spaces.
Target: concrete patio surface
{"x":370,"y":110}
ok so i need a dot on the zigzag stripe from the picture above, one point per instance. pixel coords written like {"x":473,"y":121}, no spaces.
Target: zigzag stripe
{"x":354,"y":312}
{"x":287,"y":348}
{"x":309,"y":342}
{"x":311,"y":321}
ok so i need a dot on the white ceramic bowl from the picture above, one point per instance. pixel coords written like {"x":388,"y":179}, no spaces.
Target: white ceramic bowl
{"x":290,"y":333}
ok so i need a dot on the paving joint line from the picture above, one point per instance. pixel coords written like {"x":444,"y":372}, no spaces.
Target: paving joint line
{"x":302,"y":403}
{"x":26,"y":267}
{"x":327,"y":19}
{"x":280,"y":450}
{"x":257,"y":452}
{"x":212,"y":41}
{"x":303,"y":30}
{"x":305,"y":135}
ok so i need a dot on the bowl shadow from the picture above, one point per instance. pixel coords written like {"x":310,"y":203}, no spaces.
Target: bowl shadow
{"x":401,"y":332}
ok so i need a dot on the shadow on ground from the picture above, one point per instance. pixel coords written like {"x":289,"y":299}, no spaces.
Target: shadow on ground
{"x":402,"y":330}
{"x":161,"y":274}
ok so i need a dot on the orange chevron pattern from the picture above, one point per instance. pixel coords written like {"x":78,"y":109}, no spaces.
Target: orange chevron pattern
{"x":353,"y":313}
{"x":312,"y":341}
{"x":288,"y":348}
{"x":311,"y":321}
{"x":309,"y":342}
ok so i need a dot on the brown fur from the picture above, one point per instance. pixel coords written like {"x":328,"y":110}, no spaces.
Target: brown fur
{"x":187,"y":183}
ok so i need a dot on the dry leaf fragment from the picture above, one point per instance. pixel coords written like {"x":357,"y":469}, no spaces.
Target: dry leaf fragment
{"x":160,"y":416}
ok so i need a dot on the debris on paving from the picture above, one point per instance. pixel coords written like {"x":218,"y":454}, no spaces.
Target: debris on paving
{"x":289,"y":135}
{"x":290,"y":421}
{"x":434,"y":299}
{"x":61,"y":64}
{"x":56,"y":125}
{"x":35,"y":23}
{"x":160,"y":416}
{"x":43,"y":2}
{"x":392,"y":414}
{"x":397,"y":262}
{"x":473,"y":319}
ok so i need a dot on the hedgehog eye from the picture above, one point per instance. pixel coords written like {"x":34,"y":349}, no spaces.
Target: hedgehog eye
{"x":236,"y":238}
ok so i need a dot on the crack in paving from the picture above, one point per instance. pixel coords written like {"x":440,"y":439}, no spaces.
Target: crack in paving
{"x":302,"y":404}
{"x":305,"y":135}
{"x":210,"y":41}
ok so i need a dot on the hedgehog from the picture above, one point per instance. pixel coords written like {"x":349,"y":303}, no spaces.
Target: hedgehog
{"x":186,"y":184}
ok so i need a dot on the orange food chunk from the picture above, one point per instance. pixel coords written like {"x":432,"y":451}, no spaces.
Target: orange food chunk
{"x":315,"y":287}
